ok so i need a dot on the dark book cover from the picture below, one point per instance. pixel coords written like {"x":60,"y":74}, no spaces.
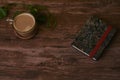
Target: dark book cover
{"x":93,"y":37}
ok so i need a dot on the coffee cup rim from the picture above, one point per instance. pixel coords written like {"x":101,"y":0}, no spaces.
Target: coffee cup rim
{"x":29,"y":14}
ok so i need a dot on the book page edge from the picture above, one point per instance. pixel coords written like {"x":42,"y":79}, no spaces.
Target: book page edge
{"x":80,"y":50}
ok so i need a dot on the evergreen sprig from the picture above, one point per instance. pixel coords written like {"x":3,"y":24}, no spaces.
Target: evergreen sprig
{"x":41,"y":13}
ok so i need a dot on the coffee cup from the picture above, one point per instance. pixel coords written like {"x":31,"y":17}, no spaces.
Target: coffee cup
{"x":24,"y":25}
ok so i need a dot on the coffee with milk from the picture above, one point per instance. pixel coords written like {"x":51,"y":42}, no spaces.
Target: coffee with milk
{"x":24,"y":25}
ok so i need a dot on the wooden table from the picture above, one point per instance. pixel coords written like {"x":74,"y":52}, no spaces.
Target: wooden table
{"x":49,"y":56}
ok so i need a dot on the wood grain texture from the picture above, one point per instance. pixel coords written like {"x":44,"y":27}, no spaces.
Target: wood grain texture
{"x":49,"y":56}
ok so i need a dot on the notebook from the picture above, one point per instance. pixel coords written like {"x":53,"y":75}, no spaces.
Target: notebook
{"x":93,"y":37}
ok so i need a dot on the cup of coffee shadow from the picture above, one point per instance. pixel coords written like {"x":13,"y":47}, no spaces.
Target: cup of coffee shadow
{"x":24,"y":26}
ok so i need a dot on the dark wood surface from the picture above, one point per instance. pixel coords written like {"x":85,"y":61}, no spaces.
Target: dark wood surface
{"x":49,"y":56}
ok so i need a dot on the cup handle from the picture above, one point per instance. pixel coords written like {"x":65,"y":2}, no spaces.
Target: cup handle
{"x":10,"y":21}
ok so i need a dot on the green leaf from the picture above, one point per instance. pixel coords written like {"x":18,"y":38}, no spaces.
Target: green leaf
{"x":3,"y":12}
{"x":42,"y":15}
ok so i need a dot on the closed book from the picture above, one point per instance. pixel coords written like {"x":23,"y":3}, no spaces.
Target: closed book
{"x":93,"y":37}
